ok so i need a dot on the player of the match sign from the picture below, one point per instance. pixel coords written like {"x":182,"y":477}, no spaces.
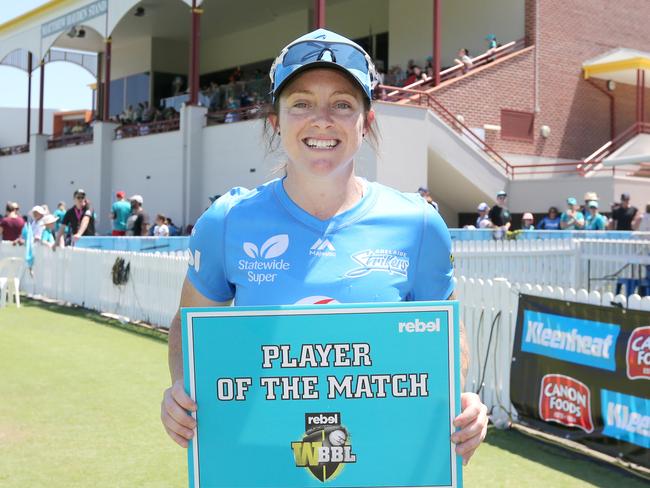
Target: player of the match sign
{"x":336,"y":395}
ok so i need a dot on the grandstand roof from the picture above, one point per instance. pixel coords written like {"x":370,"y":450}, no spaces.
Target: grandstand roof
{"x":619,"y":65}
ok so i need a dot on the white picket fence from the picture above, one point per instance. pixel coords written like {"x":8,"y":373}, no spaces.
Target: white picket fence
{"x":489,"y":307}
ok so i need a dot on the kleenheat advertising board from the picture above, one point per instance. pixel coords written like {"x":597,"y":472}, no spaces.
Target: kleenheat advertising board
{"x":334,"y":395}
{"x":582,"y":372}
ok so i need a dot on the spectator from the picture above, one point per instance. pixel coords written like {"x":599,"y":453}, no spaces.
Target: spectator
{"x":416,"y":75}
{"x":120,"y":212}
{"x":464,"y":59}
{"x":483,"y":221}
{"x":138,"y":222}
{"x":37,"y":213}
{"x":173,"y":229}
{"x":59,"y":213}
{"x":78,"y":221}
{"x":644,"y":221}
{"x":161,"y":229}
{"x":12,"y":223}
{"x":550,"y":221}
{"x":492,"y":46}
{"x":424,"y":193}
{"x":527,"y":221}
{"x":47,"y":238}
{"x":594,"y":220}
{"x":624,"y":217}
{"x":572,"y":218}
{"x":589,"y":197}
{"x":500,"y":216}
{"x":428,"y":68}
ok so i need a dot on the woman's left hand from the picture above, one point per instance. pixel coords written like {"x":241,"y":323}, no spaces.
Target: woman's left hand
{"x":472,"y":423}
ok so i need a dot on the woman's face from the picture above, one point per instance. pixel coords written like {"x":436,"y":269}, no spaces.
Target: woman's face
{"x":321,"y":122}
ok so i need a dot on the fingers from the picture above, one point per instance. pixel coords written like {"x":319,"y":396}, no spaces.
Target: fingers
{"x":472,"y":408}
{"x":466,"y":449}
{"x":182,"y":398}
{"x":472,"y":423}
{"x":173,"y":414}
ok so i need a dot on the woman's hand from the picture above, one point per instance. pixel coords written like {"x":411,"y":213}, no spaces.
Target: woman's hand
{"x":472,"y":423}
{"x":173,"y":413}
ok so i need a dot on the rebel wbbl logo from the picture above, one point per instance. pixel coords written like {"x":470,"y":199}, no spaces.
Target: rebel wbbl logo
{"x":566,"y":401}
{"x":325,"y":447}
{"x":638,"y":354}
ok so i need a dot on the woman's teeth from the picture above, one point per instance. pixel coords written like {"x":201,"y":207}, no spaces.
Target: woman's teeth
{"x":321,"y":143}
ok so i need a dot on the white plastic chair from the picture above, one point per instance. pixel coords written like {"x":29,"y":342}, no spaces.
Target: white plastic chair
{"x":10,"y":271}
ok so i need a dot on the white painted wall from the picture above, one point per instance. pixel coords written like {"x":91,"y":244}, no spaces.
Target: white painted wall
{"x":131,"y":58}
{"x":15,"y":183}
{"x":13,"y":124}
{"x":67,"y":169}
{"x":159,"y":157}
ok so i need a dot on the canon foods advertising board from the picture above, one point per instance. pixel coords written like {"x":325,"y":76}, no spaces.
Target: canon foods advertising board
{"x":582,"y":372}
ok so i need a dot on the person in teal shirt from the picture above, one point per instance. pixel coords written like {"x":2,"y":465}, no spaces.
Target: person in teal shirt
{"x":59,"y":214}
{"x":572,"y":218}
{"x":120,"y":212}
{"x":595,"y":220}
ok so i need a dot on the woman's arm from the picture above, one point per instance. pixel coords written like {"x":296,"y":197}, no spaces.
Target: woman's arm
{"x":176,"y":402}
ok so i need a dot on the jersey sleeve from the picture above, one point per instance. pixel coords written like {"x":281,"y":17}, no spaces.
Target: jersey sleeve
{"x":207,"y":265}
{"x":434,"y":268}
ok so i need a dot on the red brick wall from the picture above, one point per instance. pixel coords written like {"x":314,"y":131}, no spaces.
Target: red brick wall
{"x":577,"y":112}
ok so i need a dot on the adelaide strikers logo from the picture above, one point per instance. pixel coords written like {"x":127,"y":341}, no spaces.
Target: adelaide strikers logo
{"x":325,"y":447}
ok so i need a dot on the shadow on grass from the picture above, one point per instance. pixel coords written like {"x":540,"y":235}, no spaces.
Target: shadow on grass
{"x":92,"y":315}
{"x":574,"y":464}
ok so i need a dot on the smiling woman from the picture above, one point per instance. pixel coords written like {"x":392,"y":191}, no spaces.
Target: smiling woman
{"x":320,"y":234}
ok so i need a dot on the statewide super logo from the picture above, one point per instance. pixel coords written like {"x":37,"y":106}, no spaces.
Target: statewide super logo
{"x":384,"y":260}
{"x":638,"y":354}
{"x":263,"y":265}
{"x":325,"y":447}
{"x":566,"y":401}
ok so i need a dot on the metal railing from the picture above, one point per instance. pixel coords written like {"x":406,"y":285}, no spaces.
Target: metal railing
{"x":11,"y":150}
{"x":240,"y":114}
{"x":70,"y":140}
{"x":424,"y":99}
{"x":460,"y":69}
{"x":147,"y":128}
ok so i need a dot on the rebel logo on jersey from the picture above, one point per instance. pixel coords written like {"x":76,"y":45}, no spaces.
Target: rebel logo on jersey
{"x":264,"y":263}
{"x":638,"y":354}
{"x":566,"y":401}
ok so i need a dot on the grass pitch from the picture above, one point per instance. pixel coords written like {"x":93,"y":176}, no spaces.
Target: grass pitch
{"x":80,"y":407}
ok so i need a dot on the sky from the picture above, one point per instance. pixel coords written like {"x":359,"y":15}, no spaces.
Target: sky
{"x":66,"y":84}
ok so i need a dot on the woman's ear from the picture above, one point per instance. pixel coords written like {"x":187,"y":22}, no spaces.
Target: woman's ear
{"x":370,"y":118}
{"x":273,"y":120}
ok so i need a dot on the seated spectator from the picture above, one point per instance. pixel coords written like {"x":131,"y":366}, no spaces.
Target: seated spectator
{"x":161,"y":229}
{"x":550,"y":221}
{"x":428,"y":68}
{"x":527,"y":221}
{"x":416,"y":75}
{"x":464,"y":59}
{"x":572,"y":218}
{"x":594,"y":220}
{"x":483,"y":221}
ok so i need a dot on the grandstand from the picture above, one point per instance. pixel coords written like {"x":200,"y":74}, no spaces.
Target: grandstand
{"x":558,"y":109}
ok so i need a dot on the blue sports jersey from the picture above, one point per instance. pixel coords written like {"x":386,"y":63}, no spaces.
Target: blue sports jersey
{"x":260,"y":248}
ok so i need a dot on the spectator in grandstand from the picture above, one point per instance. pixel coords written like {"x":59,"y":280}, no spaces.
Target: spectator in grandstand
{"x":594,"y":219}
{"x":428,"y":67}
{"x":12,"y":223}
{"x":322,"y":112}
{"x":161,"y":229}
{"x":464,"y":60}
{"x":120,"y":211}
{"x":416,"y":75}
{"x":492,"y":43}
{"x":527,"y":221}
{"x":483,"y":221}
{"x":644,"y":221}
{"x":572,"y":218}
{"x":78,"y":221}
{"x":138,"y":222}
{"x":59,"y":213}
{"x":550,"y":221}
{"x":500,"y":216}
{"x":624,"y":216}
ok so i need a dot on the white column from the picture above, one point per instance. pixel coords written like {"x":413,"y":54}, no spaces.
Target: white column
{"x":192,"y":123}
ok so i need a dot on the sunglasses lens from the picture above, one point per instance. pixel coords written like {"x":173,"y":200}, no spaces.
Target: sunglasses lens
{"x":343,"y":54}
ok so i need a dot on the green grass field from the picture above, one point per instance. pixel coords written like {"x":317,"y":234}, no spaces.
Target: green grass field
{"x":81,"y":401}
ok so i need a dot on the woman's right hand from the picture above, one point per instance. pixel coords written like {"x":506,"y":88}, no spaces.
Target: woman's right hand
{"x":178,"y":423}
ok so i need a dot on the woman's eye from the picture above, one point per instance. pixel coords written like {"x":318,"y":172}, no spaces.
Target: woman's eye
{"x":342,"y":105}
{"x":300,"y":105}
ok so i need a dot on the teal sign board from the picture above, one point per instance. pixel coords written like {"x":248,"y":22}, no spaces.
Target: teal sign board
{"x":337,"y":395}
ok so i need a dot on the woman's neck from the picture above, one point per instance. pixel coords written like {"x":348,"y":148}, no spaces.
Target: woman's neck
{"x":324,"y":197}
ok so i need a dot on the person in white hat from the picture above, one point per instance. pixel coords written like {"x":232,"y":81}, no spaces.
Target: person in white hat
{"x":47,"y":238}
{"x":37,"y":214}
{"x":527,"y":221}
{"x":138,"y":222}
{"x":483,"y":221}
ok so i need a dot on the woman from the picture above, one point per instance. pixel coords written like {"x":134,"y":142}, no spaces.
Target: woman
{"x":320,"y":231}
{"x":550,"y":221}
